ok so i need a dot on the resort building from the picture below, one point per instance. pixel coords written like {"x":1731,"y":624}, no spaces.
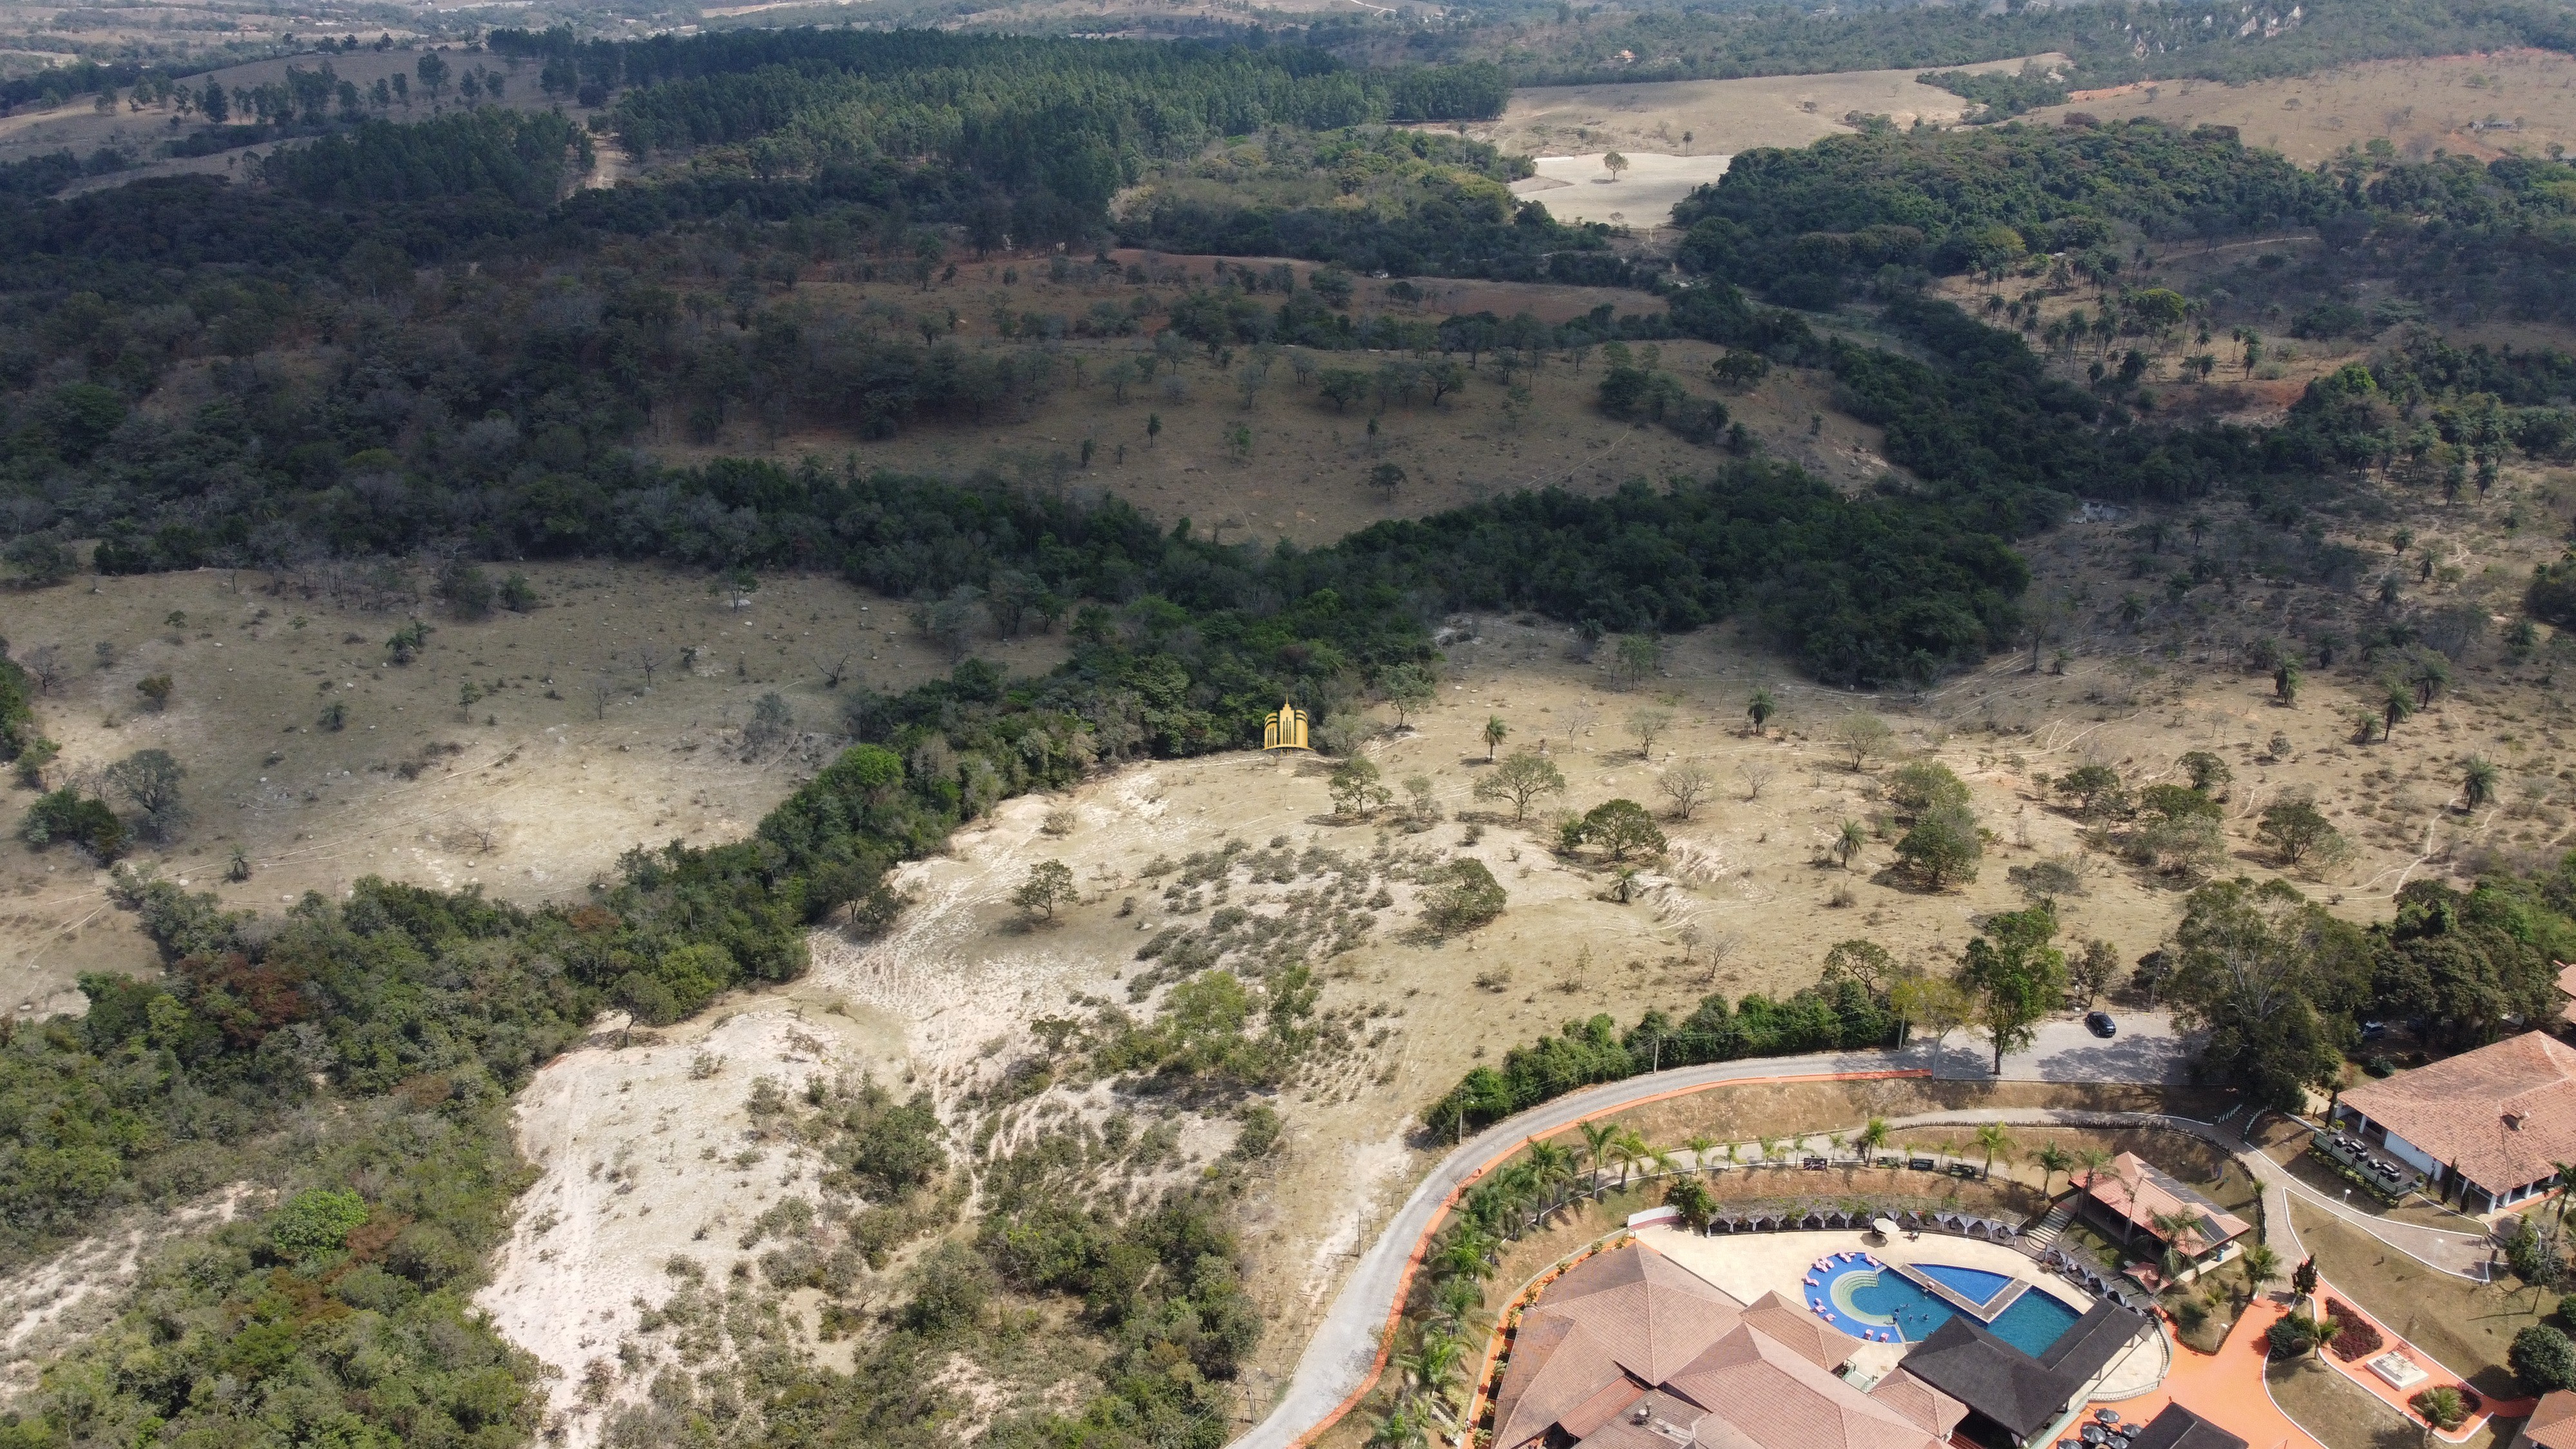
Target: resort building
{"x":2137,"y":1203}
{"x":1629,"y":1350}
{"x":2552,"y":1424}
{"x":2483,"y":1130}
{"x":2012,"y":1397}
{"x":2180,"y":1428}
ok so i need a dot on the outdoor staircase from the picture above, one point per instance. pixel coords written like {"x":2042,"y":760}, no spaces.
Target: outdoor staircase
{"x":2043,"y":1235}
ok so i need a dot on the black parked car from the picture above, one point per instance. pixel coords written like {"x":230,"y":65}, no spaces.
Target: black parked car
{"x":2100,"y":1024}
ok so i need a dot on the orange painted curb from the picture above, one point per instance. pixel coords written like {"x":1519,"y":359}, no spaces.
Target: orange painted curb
{"x":1404,"y":1285}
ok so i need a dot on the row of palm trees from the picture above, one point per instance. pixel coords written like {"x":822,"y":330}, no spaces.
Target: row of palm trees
{"x":1544,"y":1180}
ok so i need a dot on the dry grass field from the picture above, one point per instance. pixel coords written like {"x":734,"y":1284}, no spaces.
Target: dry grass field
{"x":81,"y":128}
{"x":1721,"y":117}
{"x":2510,"y":102}
{"x":1306,"y":474}
{"x":569,"y":756}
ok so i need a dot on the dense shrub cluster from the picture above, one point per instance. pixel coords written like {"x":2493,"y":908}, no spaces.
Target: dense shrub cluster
{"x":1833,"y":1015}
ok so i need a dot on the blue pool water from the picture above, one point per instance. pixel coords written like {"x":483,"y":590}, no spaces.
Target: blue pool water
{"x":1868,"y":1302}
{"x":1974,"y":1284}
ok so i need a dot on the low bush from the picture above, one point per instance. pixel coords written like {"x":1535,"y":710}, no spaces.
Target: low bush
{"x":2354,"y":1336}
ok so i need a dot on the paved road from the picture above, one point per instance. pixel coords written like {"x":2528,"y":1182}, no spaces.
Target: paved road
{"x":1343,"y":1356}
{"x":2147,"y":1049}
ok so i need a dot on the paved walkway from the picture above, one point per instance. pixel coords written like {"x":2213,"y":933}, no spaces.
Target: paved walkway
{"x":2225,"y":1387}
{"x":2462,"y":1255}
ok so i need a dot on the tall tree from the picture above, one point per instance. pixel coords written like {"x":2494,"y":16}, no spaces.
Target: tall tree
{"x":2274,"y":979}
{"x":2013,"y":976}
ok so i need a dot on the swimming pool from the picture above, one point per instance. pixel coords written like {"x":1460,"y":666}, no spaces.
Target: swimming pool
{"x":1869,"y":1300}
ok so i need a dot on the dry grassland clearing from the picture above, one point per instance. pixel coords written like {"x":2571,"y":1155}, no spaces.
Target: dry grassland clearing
{"x":80,"y":127}
{"x":1301,"y":469}
{"x":521,"y":753}
{"x":1720,"y":117}
{"x":1640,"y":196}
{"x":2506,"y":103}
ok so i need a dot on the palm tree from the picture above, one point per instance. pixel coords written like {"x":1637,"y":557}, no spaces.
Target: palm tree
{"x":1997,"y":1141}
{"x":2052,"y":1160}
{"x":1463,"y":1252}
{"x":1628,"y":1151}
{"x":2262,"y":1265}
{"x":1453,"y":1299}
{"x":1552,"y":1167}
{"x":1849,"y":840}
{"x":1495,"y":730}
{"x":1760,"y":708}
{"x":1699,"y":1146}
{"x":1873,"y":1136}
{"x":1597,"y":1137}
{"x":2171,"y":1227}
{"x":1399,"y":1429}
{"x":2094,"y":1160}
{"x":2478,"y":779}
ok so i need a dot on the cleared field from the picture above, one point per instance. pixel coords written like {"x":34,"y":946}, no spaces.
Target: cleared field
{"x":1579,"y":188}
{"x":1718,"y":117}
{"x":2508,"y":102}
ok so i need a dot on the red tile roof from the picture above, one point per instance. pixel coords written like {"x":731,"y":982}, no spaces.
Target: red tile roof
{"x":1631,"y":1328}
{"x":1630,"y":1315}
{"x":2553,"y":1422}
{"x":1766,"y":1394}
{"x":2503,"y":1114}
{"x":2141,"y":1193}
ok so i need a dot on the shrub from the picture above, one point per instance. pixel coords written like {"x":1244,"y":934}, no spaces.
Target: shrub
{"x":2444,"y":1407}
{"x":2354,"y":1336}
{"x":2288,"y":1338}
{"x":2544,"y":1359}
{"x":68,"y":815}
{"x":316,"y":1221}
{"x":1463,"y":896}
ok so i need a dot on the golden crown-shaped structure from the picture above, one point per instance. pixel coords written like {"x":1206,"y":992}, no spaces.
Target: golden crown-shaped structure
{"x":1285,"y":730}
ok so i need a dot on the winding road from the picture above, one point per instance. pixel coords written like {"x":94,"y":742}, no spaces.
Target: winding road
{"x":1347,"y":1351}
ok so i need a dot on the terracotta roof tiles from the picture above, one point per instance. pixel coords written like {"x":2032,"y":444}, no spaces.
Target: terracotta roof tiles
{"x":2503,"y":1114}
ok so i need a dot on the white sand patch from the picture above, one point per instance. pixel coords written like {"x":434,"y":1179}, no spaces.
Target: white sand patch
{"x":642,"y":1161}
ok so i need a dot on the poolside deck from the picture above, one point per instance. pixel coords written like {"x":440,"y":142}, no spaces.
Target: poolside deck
{"x":1748,"y":1265}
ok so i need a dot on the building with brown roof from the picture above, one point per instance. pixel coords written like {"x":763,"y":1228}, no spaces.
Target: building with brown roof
{"x":2552,"y":1424}
{"x":2134,"y":1199}
{"x":2010,"y":1396}
{"x":2486,"y":1128}
{"x":1629,"y":1350}
{"x":2180,"y":1428}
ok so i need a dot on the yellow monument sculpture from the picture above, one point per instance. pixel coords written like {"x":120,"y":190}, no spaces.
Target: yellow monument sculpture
{"x":1285,"y":730}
